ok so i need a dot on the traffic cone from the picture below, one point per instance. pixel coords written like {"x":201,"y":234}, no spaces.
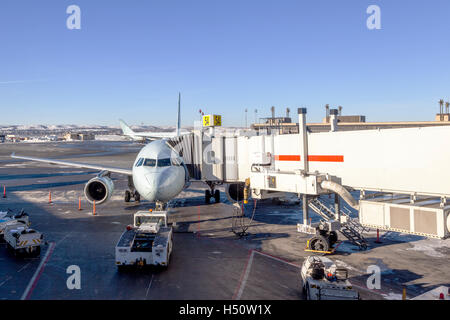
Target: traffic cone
{"x":50,"y":197}
{"x":4,"y":191}
{"x":378,"y":236}
{"x":93,"y":211}
{"x":79,"y":204}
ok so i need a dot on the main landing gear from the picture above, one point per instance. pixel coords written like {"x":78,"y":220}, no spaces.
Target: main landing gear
{"x":131,"y":192}
{"x":212,"y":193}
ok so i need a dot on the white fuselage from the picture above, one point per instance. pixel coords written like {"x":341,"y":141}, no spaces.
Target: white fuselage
{"x":158,"y":172}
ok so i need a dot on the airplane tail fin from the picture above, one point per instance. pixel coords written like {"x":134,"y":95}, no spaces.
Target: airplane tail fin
{"x":125,"y":128}
{"x":178,"y":115}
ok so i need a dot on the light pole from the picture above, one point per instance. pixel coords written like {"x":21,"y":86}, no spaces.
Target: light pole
{"x":246,"y":118}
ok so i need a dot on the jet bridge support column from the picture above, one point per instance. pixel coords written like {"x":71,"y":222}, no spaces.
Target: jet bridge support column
{"x":303,"y":156}
{"x":337,"y":207}
{"x":305,"y":209}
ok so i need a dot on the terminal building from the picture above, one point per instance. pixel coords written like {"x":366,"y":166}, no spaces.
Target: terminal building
{"x":284,"y":125}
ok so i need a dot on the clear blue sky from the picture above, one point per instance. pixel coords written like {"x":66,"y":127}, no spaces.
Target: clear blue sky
{"x":130,"y":59}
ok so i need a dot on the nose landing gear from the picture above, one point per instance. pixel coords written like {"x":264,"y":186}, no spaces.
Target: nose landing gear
{"x":132,"y":194}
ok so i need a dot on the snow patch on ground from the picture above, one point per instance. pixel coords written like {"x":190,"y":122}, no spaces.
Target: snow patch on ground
{"x":342,"y":264}
{"x":347,"y":248}
{"x":14,"y":165}
{"x":58,"y":197}
{"x":392,"y":296}
{"x":430,"y":246}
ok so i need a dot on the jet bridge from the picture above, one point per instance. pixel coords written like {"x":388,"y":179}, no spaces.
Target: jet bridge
{"x":410,"y":162}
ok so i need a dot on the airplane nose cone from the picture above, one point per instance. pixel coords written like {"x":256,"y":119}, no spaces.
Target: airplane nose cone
{"x":152,"y":187}
{"x":159,"y":186}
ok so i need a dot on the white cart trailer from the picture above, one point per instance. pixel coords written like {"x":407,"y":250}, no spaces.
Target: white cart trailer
{"x":148,"y":242}
{"x":322,"y":280}
{"x":23,"y":240}
{"x":8,"y":218}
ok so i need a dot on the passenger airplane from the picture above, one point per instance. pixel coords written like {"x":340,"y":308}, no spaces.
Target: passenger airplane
{"x":158,"y":175}
{"x":143,"y":136}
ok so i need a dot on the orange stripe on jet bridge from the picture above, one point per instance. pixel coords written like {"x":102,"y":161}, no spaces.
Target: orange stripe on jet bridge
{"x":315,"y":158}
{"x":287,"y":158}
{"x":326,"y":158}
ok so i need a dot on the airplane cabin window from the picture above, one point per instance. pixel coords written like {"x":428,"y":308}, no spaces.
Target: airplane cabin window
{"x":164,"y":162}
{"x":149,"y":162}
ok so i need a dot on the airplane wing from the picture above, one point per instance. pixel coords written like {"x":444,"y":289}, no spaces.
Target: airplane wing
{"x":127,"y":172}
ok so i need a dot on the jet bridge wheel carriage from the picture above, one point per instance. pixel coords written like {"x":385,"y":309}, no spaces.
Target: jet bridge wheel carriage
{"x":319,"y":243}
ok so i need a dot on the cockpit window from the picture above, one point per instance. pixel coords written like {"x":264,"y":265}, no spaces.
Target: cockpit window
{"x":175,"y":161}
{"x":139,"y":163}
{"x":164,"y":162}
{"x":149,"y":162}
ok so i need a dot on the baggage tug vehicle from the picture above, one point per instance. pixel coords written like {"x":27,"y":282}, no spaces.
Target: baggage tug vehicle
{"x":148,"y":242}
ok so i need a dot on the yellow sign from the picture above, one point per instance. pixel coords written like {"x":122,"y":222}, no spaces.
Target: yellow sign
{"x":212,"y":121}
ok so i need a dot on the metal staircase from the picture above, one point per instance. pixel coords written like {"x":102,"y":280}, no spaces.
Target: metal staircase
{"x":321,"y":209}
{"x":351,"y":229}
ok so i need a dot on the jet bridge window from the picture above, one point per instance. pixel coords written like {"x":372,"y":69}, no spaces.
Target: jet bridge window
{"x":149,"y":162}
{"x":164,"y":162}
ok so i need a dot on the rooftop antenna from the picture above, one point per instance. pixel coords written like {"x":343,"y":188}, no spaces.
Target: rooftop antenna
{"x":327,"y":111}
{"x":178,"y":117}
{"x":273,"y":112}
{"x":287,"y":112}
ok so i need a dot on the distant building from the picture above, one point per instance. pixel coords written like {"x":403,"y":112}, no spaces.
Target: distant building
{"x":13,"y":138}
{"x":347,"y":119}
{"x":442,"y":117}
{"x":280,"y":125}
{"x":70,"y":136}
{"x":87,"y":136}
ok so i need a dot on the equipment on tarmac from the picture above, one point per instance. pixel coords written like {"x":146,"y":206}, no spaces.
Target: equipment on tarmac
{"x":322,"y":280}
{"x":23,"y":240}
{"x":324,"y":240}
{"x":9,"y":218}
{"x":148,"y":242}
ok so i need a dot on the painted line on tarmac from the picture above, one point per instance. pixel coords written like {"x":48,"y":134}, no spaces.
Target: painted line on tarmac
{"x":25,"y":266}
{"x":34,"y":280}
{"x":244,"y":276}
{"x":277,"y":259}
{"x":64,"y":238}
{"x":6,"y":280}
{"x":149,"y":285}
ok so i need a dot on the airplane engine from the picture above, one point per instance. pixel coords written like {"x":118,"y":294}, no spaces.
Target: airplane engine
{"x":235,"y":191}
{"x":99,"y":189}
